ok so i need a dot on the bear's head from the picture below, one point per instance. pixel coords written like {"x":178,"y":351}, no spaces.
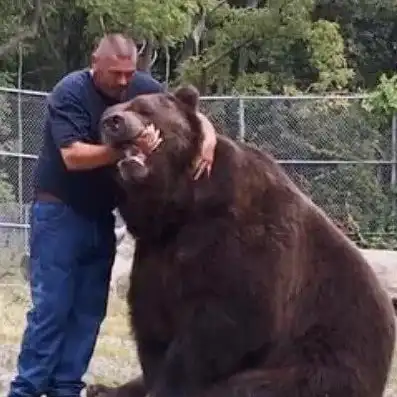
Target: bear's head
{"x":159,"y":189}
{"x":174,"y":115}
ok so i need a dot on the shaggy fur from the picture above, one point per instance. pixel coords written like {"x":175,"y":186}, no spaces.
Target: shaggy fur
{"x":241,"y":286}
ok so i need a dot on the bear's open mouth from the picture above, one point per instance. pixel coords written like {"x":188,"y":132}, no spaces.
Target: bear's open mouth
{"x":129,"y":155}
{"x":139,"y":149}
{"x":132,"y":135}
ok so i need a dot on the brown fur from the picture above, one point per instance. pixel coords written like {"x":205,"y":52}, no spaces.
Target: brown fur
{"x":241,"y":286}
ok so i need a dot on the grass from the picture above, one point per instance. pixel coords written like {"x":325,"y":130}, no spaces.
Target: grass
{"x":114,"y":360}
{"x":391,"y":390}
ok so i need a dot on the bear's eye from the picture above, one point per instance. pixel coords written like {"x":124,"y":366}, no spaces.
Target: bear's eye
{"x":145,"y":112}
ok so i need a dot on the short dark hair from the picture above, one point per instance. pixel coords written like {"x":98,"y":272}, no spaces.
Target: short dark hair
{"x":116,"y":44}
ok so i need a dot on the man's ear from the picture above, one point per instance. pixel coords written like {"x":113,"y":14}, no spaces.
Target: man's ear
{"x":189,"y":96}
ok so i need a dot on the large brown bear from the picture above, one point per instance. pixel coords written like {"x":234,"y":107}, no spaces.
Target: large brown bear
{"x":241,"y":286}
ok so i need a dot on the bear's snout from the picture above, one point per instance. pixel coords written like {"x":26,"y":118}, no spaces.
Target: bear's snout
{"x":114,"y":129}
{"x":119,"y":127}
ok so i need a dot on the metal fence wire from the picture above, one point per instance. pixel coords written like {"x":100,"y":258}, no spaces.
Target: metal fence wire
{"x":331,"y":146}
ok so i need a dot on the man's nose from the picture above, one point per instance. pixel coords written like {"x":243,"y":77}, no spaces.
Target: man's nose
{"x":122,"y":80}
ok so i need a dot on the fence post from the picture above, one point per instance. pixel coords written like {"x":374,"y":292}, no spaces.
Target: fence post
{"x":20,"y":137}
{"x":26,"y":230}
{"x":241,"y":119}
{"x":393,"y":179}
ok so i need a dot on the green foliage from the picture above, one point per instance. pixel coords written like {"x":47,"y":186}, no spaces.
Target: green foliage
{"x":6,"y":79}
{"x":232,"y":27}
{"x":382,"y":101}
{"x":169,"y":21}
{"x":381,"y":105}
{"x":6,"y":189}
{"x":326,"y":130}
{"x":368,"y":28}
{"x":12,"y":17}
{"x":327,"y":56}
{"x":252,"y":84}
{"x":279,"y":40}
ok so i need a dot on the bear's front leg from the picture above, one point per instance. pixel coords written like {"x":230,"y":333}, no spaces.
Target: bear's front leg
{"x":134,"y":388}
{"x":213,"y":342}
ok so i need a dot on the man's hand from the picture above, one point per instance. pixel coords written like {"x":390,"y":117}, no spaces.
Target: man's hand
{"x":84,"y":156}
{"x":149,"y":140}
{"x":206,"y":158}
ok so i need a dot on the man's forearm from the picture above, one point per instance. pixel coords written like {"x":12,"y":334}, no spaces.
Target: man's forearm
{"x":209,"y":131}
{"x":83,"y":156}
{"x":205,"y":158}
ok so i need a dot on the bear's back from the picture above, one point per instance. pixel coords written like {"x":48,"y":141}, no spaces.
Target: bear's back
{"x":273,"y":260}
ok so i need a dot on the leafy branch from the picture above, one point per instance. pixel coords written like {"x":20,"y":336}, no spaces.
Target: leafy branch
{"x":23,"y":33}
{"x":383,"y":100}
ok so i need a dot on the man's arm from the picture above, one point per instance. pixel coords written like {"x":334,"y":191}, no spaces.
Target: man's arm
{"x":70,"y":126}
{"x":83,"y":156}
{"x":207,"y":153}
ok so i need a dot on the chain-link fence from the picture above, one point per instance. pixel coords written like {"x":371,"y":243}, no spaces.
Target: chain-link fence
{"x":335,"y":150}
{"x":329,"y":145}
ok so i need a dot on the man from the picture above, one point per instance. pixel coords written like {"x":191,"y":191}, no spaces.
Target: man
{"x":72,"y":244}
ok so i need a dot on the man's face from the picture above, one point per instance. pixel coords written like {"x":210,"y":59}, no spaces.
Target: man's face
{"x":113,"y":74}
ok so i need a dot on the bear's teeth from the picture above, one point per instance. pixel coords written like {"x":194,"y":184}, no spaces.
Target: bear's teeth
{"x":157,"y":143}
{"x":138,"y":158}
{"x":128,"y":154}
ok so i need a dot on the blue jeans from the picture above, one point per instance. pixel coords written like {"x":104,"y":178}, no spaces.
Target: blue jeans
{"x":71,"y":261}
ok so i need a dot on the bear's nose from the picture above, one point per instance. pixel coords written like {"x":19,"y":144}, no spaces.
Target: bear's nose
{"x":120,"y":126}
{"x":114,"y":126}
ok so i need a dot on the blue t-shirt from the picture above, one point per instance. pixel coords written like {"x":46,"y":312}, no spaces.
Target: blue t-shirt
{"x":74,"y":109}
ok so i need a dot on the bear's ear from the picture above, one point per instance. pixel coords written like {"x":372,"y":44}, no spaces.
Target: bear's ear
{"x":189,"y":95}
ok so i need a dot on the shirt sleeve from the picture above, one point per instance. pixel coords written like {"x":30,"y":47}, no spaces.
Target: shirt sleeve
{"x":153,"y":86}
{"x":69,"y":119}
{"x":144,"y":83}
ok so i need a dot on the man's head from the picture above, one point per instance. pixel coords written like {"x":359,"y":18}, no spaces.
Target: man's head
{"x":113,"y":65}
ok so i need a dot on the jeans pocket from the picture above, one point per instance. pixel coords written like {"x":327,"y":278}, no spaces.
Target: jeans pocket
{"x":48,"y":211}
{"x":55,"y":236}
{"x":45,"y":217}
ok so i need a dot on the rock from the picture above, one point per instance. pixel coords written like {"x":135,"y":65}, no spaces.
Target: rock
{"x":124,"y":258}
{"x":384,"y":264}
